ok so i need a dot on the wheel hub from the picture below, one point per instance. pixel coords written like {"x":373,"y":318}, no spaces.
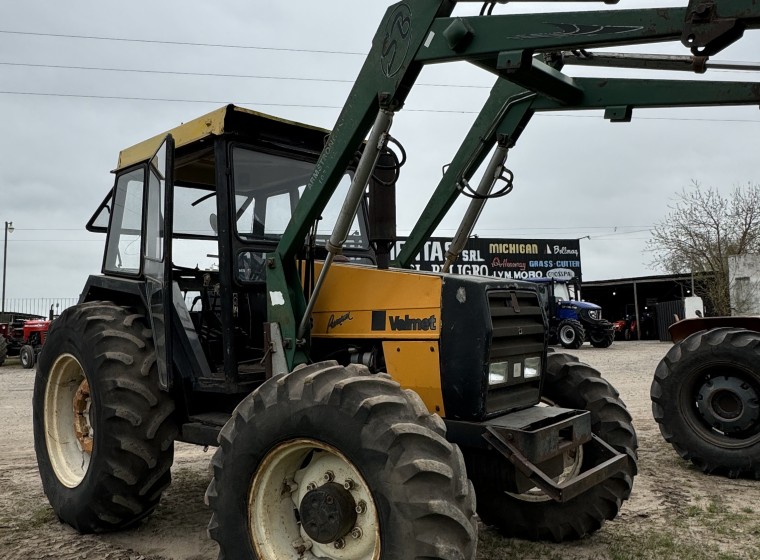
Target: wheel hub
{"x":568,"y":334}
{"x":728,"y":404}
{"x":81,"y":413}
{"x":328,"y":513}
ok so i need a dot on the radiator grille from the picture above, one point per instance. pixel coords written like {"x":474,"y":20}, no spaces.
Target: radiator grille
{"x":518,"y":332}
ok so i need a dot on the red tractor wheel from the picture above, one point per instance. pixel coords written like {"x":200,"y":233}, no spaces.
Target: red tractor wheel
{"x":27,"y":356}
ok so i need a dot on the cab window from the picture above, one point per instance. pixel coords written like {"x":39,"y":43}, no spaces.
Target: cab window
{"x":124,"y":246}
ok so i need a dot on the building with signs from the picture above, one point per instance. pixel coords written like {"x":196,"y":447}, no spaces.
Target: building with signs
{"x":648,"y":305}
{"x":518,"y":259}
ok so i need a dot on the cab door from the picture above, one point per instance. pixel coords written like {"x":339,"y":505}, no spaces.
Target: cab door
{"x":157,"y":260}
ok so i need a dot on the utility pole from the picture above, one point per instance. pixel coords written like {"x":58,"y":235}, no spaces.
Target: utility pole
{"x":8,"y":229}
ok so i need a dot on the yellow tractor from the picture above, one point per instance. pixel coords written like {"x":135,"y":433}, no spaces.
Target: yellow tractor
{"x":248,"y":300}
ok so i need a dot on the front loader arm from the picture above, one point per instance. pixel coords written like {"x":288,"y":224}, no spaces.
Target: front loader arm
{"x":388,"y":74}
{"x":418,"y":32}
{"x":706,"y":26}
{"x":617,"y":96}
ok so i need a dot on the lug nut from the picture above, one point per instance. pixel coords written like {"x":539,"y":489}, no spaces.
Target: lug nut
{"x":329,"y":476}
{"x":301,"y":546}
{"x":311,"y":486}
{"x":356,"y":532}
{"x":361,"y":507}
{"x":348,"y":484}
{"x":340,"y":543}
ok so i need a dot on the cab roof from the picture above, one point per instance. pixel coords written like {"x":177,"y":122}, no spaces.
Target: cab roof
{"x":229,"y":119}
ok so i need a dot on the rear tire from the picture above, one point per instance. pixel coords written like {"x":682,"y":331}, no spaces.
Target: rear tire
{"x":103,"y":431}
{"x":534,"y":516}
{"x":294,"y":432}
{"x":571,"y":334}
{"x":3,"y":350}
{"x":705,"y":399}
{"x":26,"y":356}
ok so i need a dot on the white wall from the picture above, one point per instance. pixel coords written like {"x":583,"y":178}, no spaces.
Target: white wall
{"x":744,"y":274}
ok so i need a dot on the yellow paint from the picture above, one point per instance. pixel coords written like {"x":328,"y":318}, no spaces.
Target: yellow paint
{"x":344,"y":309}
{"x":359,"y":290}
{"x":212,"y":124}
{"x":416,"y":365}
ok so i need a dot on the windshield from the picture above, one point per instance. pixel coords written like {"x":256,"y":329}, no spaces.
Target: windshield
{"x":562,"y":292}
{"x":267,"y":190}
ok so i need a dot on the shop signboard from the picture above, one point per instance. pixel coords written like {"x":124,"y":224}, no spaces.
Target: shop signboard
{"x":518,"y":259}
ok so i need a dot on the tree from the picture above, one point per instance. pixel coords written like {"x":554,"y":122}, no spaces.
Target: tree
{"x":702,"y":230}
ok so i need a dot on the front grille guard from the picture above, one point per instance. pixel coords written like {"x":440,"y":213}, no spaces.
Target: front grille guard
{"x":506,"y":442}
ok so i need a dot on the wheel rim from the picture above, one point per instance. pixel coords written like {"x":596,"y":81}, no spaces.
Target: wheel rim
{"x":567,"y":334}
{"x":296,"y":480}
{"x":68,"y":431}
{"x":723,"y":406}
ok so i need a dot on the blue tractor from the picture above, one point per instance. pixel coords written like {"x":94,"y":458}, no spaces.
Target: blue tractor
{"x":571,"y":321}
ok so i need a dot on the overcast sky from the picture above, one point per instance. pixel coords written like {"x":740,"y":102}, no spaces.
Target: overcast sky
{"x":576,"y":176}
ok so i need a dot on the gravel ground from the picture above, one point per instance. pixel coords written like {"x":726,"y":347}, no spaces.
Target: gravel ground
{"x":675,"y":511}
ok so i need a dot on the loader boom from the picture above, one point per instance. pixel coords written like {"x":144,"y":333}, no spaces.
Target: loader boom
{"x":415,"y":33}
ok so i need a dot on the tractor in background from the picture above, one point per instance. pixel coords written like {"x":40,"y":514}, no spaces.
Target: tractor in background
{"x":23,"y":335}
{"x":572,"y":321}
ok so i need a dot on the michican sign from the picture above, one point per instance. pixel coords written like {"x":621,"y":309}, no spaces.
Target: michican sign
{"x":518,"y":259}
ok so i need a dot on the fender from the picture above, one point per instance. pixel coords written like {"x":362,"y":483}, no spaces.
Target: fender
{"x":685,"y":327}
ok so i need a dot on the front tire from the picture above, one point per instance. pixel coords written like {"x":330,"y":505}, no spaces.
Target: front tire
{"x":533,"y":515}
{"x":325,"y":431}
{"x":706,"y":400}
{"x":602,"y":339}
{"x":26,"y":356}
{"x":571,"y":334}
{"x":103,"y":431}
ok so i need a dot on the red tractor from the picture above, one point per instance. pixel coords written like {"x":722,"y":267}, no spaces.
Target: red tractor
{"x":23,"y":336}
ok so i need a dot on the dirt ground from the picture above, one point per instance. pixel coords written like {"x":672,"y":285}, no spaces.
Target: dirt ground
{"x":675,"y":511}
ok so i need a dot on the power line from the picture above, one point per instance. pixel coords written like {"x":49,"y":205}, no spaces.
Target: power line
{"x":126,"y":98}
{"x":182,"y":43}
{"x":622,"y":233}
{"x":243,"y":76}
{"x":550,"y":229}
{"x":217,"y":75}
{"x":308,"y":106}
{"x":228,"y":45}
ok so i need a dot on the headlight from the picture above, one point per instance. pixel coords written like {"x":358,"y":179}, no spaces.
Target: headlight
{"x":532,"y":367}
{"x":529,"y":368}
{"x":497,"y":373}
{"x":594,"y":314}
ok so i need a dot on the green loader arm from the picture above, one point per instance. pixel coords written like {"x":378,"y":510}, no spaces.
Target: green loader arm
{"x":418,"y":32}
{"x":618,"y":98}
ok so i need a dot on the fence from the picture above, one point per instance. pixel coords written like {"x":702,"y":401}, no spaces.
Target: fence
{"x":38,"y":306}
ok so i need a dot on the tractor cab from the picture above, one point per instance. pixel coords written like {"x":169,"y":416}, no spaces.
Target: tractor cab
{"x":236,"y":177}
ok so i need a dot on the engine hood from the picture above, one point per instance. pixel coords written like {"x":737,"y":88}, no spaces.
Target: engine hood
{"x":581,"y":304}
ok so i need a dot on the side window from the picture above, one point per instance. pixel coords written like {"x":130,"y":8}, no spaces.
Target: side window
{"x":278,"y":214}
{"x":154,"y":227}
{"x":123,"y":250}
